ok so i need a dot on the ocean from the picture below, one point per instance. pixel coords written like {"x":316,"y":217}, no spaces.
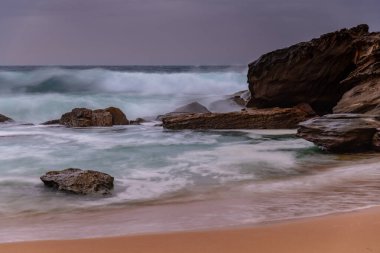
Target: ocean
{"x":164,"y":180}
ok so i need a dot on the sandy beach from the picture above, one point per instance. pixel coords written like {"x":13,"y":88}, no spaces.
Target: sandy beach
{"x":354,"y":232}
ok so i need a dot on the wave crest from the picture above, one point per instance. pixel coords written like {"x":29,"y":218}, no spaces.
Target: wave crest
{"x":41,"y":94}
{"x":61,"y":80}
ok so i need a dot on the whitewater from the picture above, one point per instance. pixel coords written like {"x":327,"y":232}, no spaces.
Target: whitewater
{"x":164,"y":180}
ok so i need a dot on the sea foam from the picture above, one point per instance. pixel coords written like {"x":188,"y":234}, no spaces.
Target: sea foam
{"x":42,"y":94}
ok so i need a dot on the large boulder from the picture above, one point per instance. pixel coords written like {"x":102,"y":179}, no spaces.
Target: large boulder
{"x":79,"y":181}
{"x":273,"y":118}
{"x":364,"y":81}
{"x":4,"y":118}
{"x":308,"y":72}
{"x":83,"y":117}
{"x":342,"y":132}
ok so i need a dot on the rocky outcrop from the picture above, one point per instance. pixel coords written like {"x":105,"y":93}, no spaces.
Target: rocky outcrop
{"x":342,"y":132}
{"x":4,"y":118}
{"x":83,"y":117}
{"x":309,"y":72}
{"x":364,"y":81}
{"x":273,"y":118}
{"x":193,"y":107}
{"x":79,"y":181}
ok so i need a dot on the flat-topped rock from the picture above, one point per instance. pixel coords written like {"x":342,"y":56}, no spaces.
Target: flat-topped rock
{"x":273,"y":118}
{"x":79,"y":181}
{"x":342,"y":132}
{"x":83,"y":117}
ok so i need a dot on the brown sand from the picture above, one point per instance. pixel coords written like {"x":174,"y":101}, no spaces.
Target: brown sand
{"x":354,"y":232}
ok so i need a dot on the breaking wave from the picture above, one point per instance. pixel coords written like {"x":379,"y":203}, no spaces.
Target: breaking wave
{"x":43,"y":93}
{"x":154,"y":82}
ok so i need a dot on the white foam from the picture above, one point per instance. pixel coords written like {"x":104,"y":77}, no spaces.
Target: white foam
{"x":45,"y":94}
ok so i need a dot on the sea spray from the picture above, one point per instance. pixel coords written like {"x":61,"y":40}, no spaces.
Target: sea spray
{"x":39,"y":94}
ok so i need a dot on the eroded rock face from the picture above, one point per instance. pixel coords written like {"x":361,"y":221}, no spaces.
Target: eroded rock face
{"x":83,"y":117}
{"x":273,"y":118}
{"x":4,"y":118}
{"x":79,"y":181}
{"x":341,"y":132}
{"x":308,"y":72}
{"x":364,"y":81}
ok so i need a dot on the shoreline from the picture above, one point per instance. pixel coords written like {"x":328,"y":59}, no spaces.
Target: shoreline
{"x":354,"y":231}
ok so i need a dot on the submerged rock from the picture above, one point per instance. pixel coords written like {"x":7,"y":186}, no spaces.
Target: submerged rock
{"x":234,"y":102}
{"x":193,"y":107}
{"x":4,"y":118}
{"x":52,"y":122}
{"x":273,"y":118}
{"x":311,"y":72}
{"x":79,"y":181}
{"x":137,"y":121}
{"x":83,"y":117}
{"x":342,"y":132}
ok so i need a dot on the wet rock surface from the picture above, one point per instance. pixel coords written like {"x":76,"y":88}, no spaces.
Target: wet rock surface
{"x":273,"y":118}
{"x":83,"y":117}
{"x":342,"y":132}
{"x":79,"y":181}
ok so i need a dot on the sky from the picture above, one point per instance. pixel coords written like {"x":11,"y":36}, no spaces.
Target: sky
{"x":167,"y":32}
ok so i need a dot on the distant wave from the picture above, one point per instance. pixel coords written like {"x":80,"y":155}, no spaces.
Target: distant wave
{"x":40,"y":94}
{"x":116,"y":80}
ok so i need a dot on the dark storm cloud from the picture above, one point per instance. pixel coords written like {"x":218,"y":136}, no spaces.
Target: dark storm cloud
{"x":167,"y":31}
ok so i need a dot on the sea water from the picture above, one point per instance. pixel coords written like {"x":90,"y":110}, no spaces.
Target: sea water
{"x":164,"y":180}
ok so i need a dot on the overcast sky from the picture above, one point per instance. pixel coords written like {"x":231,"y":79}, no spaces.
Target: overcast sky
{"x":151,"y":32}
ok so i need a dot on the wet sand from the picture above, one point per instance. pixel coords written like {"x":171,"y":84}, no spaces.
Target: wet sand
{"x":354,"y":232}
